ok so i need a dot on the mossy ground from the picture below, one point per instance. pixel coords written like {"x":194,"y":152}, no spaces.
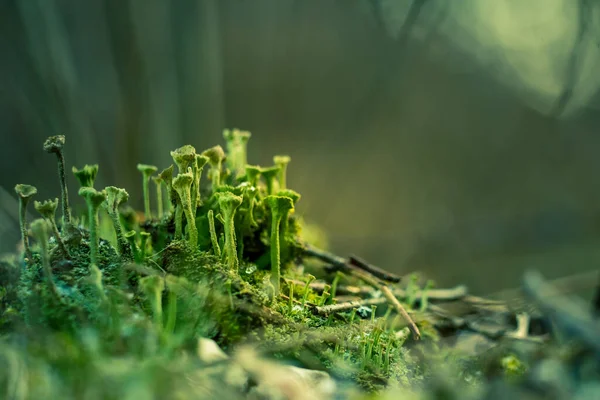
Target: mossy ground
{"x":128,"y":326}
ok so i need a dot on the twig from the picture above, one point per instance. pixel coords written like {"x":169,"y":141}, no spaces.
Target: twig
{"x":347,"y":306}
{"x":387,"y":293}
{"x":367,"y":277}
{"x":373,"y":270}
{"x":337,"y":262}
{"x":353,"y":263}
{"x":401,"y":310}
{"x":447,"y":294}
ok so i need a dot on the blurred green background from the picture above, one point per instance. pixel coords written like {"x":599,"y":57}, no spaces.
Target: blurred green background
{"x":459,"y":138}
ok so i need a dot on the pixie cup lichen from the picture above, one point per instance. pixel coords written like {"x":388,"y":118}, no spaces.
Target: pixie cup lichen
{"x":87,"y":175}
{"x":153,"y":287}
{"x":183,"y":157}
{"x":201,"y":161}
{"x":270,"y":174}
{"x":41,"y":230}
{"x":159,"y":196}
{"x":94,"y":200}
{"x":213,"y":233}
{"x":282,"y":161}
{"x":114,"y":198}
{"x":54,"y":145}
{"x":279,"y":207}
{"x":284,"y":227}
{"x":47,"y":210}
{"x":167,"y":177}
{"x":249,"y":196}
{"x":147,"y":171}
{"x":215,"y":155}
{"x":236,"y":144}
{"x":182,"y":183}
{"x":25,"y":192}
{"x":130,"y":237}
{"x":229,"y":202}
{"x":144,"y":244}
{"x":252,"y":174}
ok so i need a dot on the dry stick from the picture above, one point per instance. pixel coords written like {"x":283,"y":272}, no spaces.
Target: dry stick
{"x":401,"y":310}
{"x":449,"y":294}
{"x":354,"y":263}
{"x":367,"y":277}
{"x":338,"y":262}
{"x":347,"y":306}
{"x":373,"y":270}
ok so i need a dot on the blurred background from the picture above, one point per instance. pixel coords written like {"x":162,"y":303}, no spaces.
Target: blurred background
{"x":458,"y":138}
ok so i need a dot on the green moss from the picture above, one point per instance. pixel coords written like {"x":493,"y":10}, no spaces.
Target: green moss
{"x":233,"y":279}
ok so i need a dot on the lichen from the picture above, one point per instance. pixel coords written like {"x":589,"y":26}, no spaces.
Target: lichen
{"x":231,"y":271}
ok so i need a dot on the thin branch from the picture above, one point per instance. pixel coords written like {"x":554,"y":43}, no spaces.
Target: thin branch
{"x":369,"y":279}
{"x":402,"y":311}
{"x":448,"y":294}
{"x":373,"y":270}
{"x":347,"y":306}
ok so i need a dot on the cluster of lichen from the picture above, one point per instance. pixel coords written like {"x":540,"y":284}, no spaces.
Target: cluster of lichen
{"x":213,"y":258}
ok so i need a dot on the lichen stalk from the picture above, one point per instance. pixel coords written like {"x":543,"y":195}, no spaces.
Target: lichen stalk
{"x":93,"y":199}
{"x":167,"y":177}
{"x":47,"y":210}
{"x":144,"y":243}
{"x":229,"y":203}
{"x":252,"y":174}
{"x":213,"y":234}
{"x":55,"y":144}
{"x":282,"y":161}
{"x":159,"y":196}
{"x":183,"y":185}
{"x":270,"y":174}
{"x":284,"y":227}
{"x":178,"y":220}
{"x":114,"y":198}
{"x":153,"y":287}
{"x":215,"y":155}
{"x":278,"y":205}
{"x":147,"y":171}
{"x":201,"y":161}
{"x":40,"y":229}
{"x":130,"y":237}
{"x":25,"y":192}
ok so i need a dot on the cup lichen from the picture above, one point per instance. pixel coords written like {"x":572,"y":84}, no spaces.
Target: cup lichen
{"x":182,"y":183}
{"x":47,"y":210}
{"x":270,"y":174}
{"x":55,"y":145}
{"x":228,"y":203}
{"x":224,"y":281}
{"x":279,"y":207}
{"x":114,"y":198}
{"x":86,"y":175}
{"x":147,"y":172}
{"x":215,"y":156}
{"x":94,"y":200}
{"x":282,"y":161}
{"x":25,"y":192}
